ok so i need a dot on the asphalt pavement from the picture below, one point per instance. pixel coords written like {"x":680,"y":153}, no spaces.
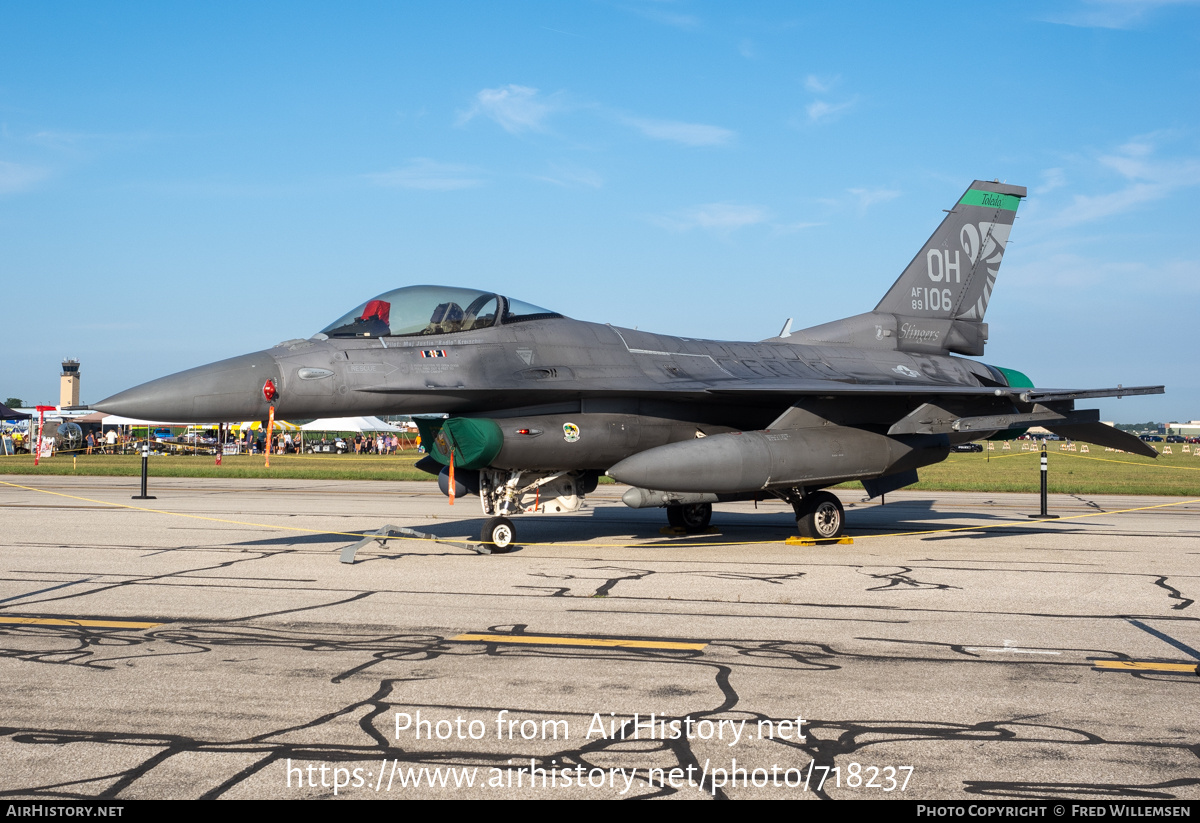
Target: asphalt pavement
{"x":209,"y":643}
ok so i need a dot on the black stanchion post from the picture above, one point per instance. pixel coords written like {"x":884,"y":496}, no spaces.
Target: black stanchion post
{"x":145,"y":469}
{"x":1044,"y":515}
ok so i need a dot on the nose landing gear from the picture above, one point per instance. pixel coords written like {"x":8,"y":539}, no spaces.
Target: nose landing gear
{"x":499,"y":533}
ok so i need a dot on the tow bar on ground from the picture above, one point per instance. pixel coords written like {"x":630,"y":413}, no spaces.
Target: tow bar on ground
{"x":389,"y":532}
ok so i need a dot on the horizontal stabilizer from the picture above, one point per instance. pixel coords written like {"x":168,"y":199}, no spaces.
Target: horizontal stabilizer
{"x":932,"y":419}
{"x":1045,"y":395}
{"x":1101,"y":434}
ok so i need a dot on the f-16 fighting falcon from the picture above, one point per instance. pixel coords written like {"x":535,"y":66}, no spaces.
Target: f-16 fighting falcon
{"x":531,"y":407}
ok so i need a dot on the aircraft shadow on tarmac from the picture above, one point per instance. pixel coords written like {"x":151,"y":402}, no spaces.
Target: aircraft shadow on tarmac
{"x":920,"y":516}
{"x":619,"y":524}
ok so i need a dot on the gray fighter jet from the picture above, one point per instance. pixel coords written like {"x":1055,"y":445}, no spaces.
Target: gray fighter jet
{"x":540,"y":406}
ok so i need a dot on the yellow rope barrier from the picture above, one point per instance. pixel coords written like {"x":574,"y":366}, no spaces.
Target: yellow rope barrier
{"x":958,"y":457}
{"x":1128,"y":462}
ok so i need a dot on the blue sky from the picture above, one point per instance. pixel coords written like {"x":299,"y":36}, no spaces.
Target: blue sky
{"x":181,"y":183}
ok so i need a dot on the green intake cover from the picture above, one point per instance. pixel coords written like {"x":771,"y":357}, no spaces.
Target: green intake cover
{"x":428,"y":427}
{"x":1016,"y":380}
{"x":475,"y":441}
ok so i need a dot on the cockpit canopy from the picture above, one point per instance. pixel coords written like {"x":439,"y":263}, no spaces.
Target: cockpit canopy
{"x":416,"y":310}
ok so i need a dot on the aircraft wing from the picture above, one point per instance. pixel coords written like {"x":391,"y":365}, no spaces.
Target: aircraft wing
{"x":765,"y":388}
{"x":1025,"y":395}
{"x":1052,"y":409}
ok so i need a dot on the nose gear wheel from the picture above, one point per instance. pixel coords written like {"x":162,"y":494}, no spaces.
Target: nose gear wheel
{"x":500,"y":534}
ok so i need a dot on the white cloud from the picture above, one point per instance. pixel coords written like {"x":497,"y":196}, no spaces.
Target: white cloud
{"x":792,"y":228}
{"x":720,"y":218}
{"x":1051,"y":179}
{"x":1147,"y":179}
{"x":422,"y":173}
{"x":821,"y":110}
{"x":1087,"y":208}
{"x":1099,"y":277}
{"x":59,"y":139}
{"x":16,"y":177}
{"x":669,"y":18}
{"x":689,"y":134}
{"x":1112,"y":14}
{"x":1065,"y":270}
{"x":1132,"y":162}
{"x":568,"y":174}
{"x":746,"y":48}
{"x":515,"y":108}
{"x":522,"y":109}
{"x":869,"y":197}
{"x":73,"y":140}
{"x":819,"y":85}
{"x":1183,"y":275}
{"x":1139,"y":146}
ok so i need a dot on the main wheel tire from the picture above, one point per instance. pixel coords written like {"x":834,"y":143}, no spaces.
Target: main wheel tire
{"x":691,"y":518}
{"x":823,"y":517}
{"x":498,"y":532}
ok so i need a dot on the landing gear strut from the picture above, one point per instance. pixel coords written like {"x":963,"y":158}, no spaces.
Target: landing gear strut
{"x":692,"y":518}
{"x":819,"y":515}
{"x":505,"y":493}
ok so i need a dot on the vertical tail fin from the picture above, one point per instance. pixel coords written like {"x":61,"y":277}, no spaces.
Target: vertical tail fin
{"x":953,"y":275}
{"x":938,"y":302}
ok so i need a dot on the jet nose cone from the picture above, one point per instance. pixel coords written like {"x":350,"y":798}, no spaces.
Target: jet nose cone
{"x":225,"y":391}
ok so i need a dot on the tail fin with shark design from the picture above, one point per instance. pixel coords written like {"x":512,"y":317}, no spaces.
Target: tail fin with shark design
{"x":938,"y":302}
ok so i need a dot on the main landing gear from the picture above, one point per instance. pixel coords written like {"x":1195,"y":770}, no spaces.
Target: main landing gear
{"x":819,"y":515}
{"x":692,"y":518}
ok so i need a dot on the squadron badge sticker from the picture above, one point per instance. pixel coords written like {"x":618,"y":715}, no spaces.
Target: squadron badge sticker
{"x":570,"y":432}
{"x":441,"y":445}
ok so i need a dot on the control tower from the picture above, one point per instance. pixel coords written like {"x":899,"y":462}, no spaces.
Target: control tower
{"x":68,"y":391}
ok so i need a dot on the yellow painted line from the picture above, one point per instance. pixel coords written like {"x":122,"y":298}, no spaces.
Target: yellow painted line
{"x":1139,"y":666}
{"x":68,"y":621}
{"x":603,"y":642}
{"x":812,"y":541}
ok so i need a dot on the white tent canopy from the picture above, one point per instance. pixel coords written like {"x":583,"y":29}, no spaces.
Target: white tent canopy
{"x":117,"y":420}
{"x":350,"y":424}
{"x":260,"y":425}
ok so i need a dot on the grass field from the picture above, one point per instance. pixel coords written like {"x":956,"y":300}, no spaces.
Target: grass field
{"x":294,"y":466}
{"x":1098,"y":472}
